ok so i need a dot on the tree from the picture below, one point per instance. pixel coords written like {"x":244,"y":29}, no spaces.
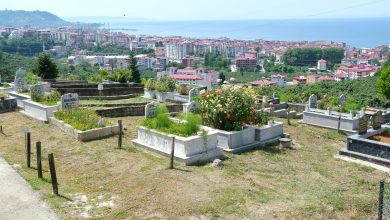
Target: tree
{"x":134,"y":69}
{"x":384,"y":81}
{"x":45,"y":67}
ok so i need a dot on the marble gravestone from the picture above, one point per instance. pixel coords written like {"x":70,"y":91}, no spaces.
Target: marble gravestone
{"x":151,"y":110}
{"x":342,"y":100}
{"x":312,"y":101}
{"x":38,"y":91}
{"x":70,"y":100}
{"x":20,"y":81}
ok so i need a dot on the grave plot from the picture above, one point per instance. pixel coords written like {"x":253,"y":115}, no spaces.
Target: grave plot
{"x":7,"y":104}
{"x":240,"y":127}
{"x":347,"y":122}
{"x":373,"y":144}
{"x":189,"y":142}
{"x":6,"y":87}
{"x":81,"y":123}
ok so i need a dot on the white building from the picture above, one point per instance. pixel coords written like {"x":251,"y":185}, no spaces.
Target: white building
{"x":321,"y":65}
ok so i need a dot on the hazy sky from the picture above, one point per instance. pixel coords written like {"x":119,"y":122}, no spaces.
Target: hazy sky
{"x":207,"y":9}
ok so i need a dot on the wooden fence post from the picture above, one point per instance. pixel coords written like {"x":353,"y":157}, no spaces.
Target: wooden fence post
{"x":288,"y":116}
{"x":53,"y":174}
{"x":28,"y":148}
{"x":380,"y":206}
{"x":120,"y":134}
{"x":172,"y":157}
{"x":39,"y":159}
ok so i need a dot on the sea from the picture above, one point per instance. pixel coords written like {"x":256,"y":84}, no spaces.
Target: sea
{"x":358,"y":32}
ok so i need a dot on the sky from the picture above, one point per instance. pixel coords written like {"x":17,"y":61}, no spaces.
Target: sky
{"x":207,"y":9}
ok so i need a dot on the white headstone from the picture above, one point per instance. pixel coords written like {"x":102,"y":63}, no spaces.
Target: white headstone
{"x":190,"y":107}
{"x":150,"y":110}
{"x":312,"y":101}
{"x":265,"y":99}
{"x":342,"y":100}
{"x":38,"y":91}
{"x":20,"y":81}
{"x":100,"y":87}
{"x":70,"y":100}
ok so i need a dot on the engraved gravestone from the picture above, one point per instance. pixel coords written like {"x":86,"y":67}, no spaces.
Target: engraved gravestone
{"x":70,"y":100}
{"x":312,"y":101}
{"x":342,"y":100}
{"x":377,"y":120}
{"x":37,"y":91}
{"x":20,"y":81}
{"x":363,"y":124}
{"x":150,"y":110}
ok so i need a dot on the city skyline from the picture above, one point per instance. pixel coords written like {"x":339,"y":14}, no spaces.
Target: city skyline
{"x":208,"y":10}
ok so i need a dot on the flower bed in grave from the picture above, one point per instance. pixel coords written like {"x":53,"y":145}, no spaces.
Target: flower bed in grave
{"x":83,"y":124}
{"x":192,"y":143}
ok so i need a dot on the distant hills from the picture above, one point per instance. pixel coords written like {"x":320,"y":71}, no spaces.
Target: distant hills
{"x":20,"y":18}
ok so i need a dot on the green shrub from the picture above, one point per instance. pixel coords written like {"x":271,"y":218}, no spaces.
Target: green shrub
{"x":166,"y":84}
{"x":49,"y":99}
{"x":150,"y":84}
{"x":4,"y":85}
{"x":32,"y":79}
{"x":122,"y":76}
{"x":182,"y":89}
{"x":79,"y":118}
{"x":164,"y":124}
{"x":227,"y":108}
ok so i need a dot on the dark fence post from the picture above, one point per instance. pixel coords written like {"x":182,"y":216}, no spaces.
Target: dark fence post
{"x":28,"y":148}
{"x":288,"y":116}
{"x":53,"y":174}
{"x":120,"y":134}
{"x":380,"y":206}
{"x":339,"y":125}
{"x":39,"y":159}
{"x":172,"y":153}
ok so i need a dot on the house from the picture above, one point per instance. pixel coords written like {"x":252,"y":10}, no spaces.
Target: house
{"x":261,"y":83}
{"x":312,"y":78}
{"x":246,"y":61}
{"x":321,"y":65}
{"x":299,"y":80}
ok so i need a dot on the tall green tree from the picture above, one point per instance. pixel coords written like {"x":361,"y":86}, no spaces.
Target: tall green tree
{"x":45,"y":67}
{"x":384,"y":81}
{"x":136,"y":76}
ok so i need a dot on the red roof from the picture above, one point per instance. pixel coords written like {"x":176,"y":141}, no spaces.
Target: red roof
{"x":322,"y":61}
{"x":262,"y":82}
{"x":300,"y":78}
{"x":186,"y":76}
{"x":326,"y":78}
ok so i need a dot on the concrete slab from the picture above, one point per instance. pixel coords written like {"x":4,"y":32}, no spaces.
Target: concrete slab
{"x":17,"y":199}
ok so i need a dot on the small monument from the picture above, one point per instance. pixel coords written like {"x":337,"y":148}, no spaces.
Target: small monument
{"x":342,"y":100}
{"x":312,"y":101}
{"x":377,"y":120}
{"x":193,"y":93}
{"x":363,"y":124}
{"x":70,"y":100}
{"x":150,"y":110}
{"x":20,"y":81}
{"x":37,"y":91}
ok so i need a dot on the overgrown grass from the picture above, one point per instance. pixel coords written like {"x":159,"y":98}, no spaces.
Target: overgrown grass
{"x":163,"y":123}
{"x":48,"y":99}
{"x":80,"y":119}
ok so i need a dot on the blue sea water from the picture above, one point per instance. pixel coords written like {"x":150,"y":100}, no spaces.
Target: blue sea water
{"x":367,"y":32}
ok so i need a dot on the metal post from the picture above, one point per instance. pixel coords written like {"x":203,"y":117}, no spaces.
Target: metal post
{"x":380,"y":206}
{"x":28,"y":148}
{"x":172,"y":153}
{"x":339,"y":124}
{"x":120,"y":134}
{"x":53,"y":174}
{"x":288,"y":116}
{"x":39,"y":159}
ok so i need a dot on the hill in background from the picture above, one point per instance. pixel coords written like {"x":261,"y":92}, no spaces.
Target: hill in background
{"x":22,"y":18}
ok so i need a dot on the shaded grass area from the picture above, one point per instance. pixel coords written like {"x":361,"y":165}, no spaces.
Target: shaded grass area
{"x":120,"y":101}
{"x":267,"y":183}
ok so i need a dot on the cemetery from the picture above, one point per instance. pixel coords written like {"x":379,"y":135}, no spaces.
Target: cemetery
{"x":7,"y":104}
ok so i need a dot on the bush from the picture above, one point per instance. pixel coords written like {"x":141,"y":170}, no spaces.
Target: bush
{"x":121,"y":76}
{"x":32,"y":79}
{"x":49,"y":99}
{"x":166,"y":84}
{"x":182,"y":89}
{"x":150,"y":84}
{"x":384,"y":81}
{"x":227,"y":108}
{"x":164,"y":124}
{"x":5,"y":85}
{"x":78,"y":118}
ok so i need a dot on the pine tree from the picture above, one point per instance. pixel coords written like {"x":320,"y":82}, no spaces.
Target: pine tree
{"x":45,"y":67}
{"x":134,"y":69}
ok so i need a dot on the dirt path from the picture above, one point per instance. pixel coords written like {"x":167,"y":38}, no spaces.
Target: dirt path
{"x":17,"y":199}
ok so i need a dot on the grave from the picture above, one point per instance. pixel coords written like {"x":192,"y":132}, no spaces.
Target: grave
{"x":20,"y":82}
{"x":70,"y":100}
